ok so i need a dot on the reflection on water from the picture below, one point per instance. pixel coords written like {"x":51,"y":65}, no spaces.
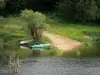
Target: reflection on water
{"x":58,"y":66}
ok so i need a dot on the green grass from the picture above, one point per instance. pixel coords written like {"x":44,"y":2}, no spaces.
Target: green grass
{"x":11,"y":33}
{"x":85,"y":51}
{"x":76,"y":31}
{"x":52,"y":51}
{"x":71,"y":30}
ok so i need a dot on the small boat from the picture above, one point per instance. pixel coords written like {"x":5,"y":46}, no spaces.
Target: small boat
{"x":25,"y":42}
{"x":37,"y":49}
{"x":40,"y":45}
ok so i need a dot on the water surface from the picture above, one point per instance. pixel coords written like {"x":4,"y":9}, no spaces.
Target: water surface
{"x":59,"y":66}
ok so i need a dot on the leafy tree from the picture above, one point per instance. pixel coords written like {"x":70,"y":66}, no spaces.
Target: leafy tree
{"x":34,"y":24}
{"x":64,"y":8}
{"x":98,"y":11}
{"x":86,"y":10}
{"x":83,"y":10}
{"x":2,"y":4}
{"x":15,"y":5}
{"x":43,"y":5}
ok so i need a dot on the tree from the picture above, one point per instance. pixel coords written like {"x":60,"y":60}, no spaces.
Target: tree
{"x":43,"y":5}
{"x":2,"y":4}
{"x":86,"y":10}
{"x":15,"y":5}
{"x":34,"y":24}
{"x":82,"y":10}
{"x":98,"y":11}
{"x":65,"y":8}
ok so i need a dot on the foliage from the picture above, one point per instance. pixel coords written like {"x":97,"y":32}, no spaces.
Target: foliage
{"x":14,"y":6}
{"x":2,"y":4}
{"x":82,"y":10}
{"x":34,"y":23}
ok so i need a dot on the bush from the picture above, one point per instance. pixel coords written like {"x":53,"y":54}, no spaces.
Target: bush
{"x":34,"y":23}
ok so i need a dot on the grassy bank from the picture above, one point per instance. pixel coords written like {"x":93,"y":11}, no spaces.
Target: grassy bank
{"x":77,"y":31}
{"x":12,"y":32}
{"x":72,"y":30}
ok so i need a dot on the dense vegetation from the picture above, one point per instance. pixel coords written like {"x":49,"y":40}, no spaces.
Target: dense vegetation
{"x":80,"y":10}
{"x":34,"y":24}
{"x":14,"y":6}
{"x":77,"y":10}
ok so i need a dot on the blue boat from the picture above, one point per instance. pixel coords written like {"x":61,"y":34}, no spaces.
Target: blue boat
{"x":40,"y":45}
{"x":37,"y":49}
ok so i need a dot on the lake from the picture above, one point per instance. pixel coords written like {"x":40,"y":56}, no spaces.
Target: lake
{"x":58,"y":66}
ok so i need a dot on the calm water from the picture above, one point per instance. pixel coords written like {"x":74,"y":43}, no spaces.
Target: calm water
{"x":59,"y":66}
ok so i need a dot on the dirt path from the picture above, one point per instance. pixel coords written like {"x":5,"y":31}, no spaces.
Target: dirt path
{"x":62,"y":43}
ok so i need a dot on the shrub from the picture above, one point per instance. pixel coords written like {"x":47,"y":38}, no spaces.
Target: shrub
{"x":34,"y":23}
